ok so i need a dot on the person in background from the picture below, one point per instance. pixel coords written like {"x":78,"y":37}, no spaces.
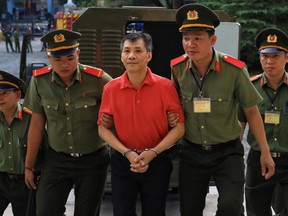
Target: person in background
{"x":29,"y":45}
{"x":14,"y":124}
{"x":65,"y":96}
{"x":139,"y":102}
{"x":211,"y":85}
{"x":7,"y":36}
{"x":272,"y":84}
{"x":16,"y":39}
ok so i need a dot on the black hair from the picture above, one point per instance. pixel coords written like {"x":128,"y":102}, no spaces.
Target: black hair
{"x":138,"y":36}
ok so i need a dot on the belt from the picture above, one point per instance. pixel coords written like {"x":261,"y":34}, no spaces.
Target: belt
{"x":13,"y":177}
{"x":213,"y":147}
{"x":79,"y":155}
{"x":278,"y":154}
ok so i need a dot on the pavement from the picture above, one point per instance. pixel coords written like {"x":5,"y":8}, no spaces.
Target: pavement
{"x":11,"y":62}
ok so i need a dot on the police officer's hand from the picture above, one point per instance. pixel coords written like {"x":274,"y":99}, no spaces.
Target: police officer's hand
{"x":267,"y":165}
{"x":135,"y":165}
{"x":107,"y":120}
{"x":29,"y":179}
{"x":172,"y":119}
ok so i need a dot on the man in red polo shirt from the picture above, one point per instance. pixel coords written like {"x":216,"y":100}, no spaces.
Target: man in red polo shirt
{"x":139,"y":102}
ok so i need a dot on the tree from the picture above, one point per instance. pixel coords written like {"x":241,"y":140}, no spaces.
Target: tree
{"x":253,"y":15}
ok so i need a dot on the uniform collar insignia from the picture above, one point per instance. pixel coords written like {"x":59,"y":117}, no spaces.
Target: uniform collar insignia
{"x":192,"y":15}
{"x":59,"y":38}
{"x":272,"y":38}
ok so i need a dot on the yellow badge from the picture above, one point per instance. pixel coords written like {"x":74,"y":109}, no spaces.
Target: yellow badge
{"x":192,"y":15}
{"x":202,"y":105}
{"x":59,"y":38}
{"x":272,"y":117}
{"x":1,"y":77}
{"x":272,"y":39}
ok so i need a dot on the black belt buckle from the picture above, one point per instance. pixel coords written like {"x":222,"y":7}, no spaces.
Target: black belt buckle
{"x":76,"y":155}
{"x":207,"y":147}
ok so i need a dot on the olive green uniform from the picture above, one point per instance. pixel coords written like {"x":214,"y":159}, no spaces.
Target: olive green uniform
{"x":76,"y":155}
{"x":211,"y":145}
{"x":7,"y":36}
{"x":259,"y":192}
{"x":13,"y":146}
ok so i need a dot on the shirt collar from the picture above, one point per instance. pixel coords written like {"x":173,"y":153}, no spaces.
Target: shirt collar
{"x":125,"y":83}
{"x":264,"y":80}
{"x":76,"y":76}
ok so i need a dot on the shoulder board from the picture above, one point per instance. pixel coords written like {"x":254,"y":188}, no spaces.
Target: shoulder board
{"x":256,"y":77}
{"x":234,"y":61}
{"x":93,"y":71}
{"x":42,"y":71}
{"x":26,"y":110}
{"x":178,"y":60}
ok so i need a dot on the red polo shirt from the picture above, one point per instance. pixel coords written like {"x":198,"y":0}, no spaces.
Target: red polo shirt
{"x":140,"y":114}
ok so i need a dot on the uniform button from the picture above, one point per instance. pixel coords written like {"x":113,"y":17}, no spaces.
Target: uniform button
{"x":275,"y":108}
{"x":9,"y":129}
{"x":202,"y":127}
{"x":67,"y":104}
{"x":220,"y":99}
{"x":69,"y":133}
{"x":48,"y":106}
{"x":138,"y":91}
{"x":70,"y":147}
{"x":85,"y":106}
{"x":66,"y":89}
{"x":183,"y":97}
{"x":11,"y":169}
{"x":68,"y":118}
{"x":275,"y":139}
{"x":138,"y":101}
{"x":9,"y":157}
{"x":9,"y":143}
{"x":205,"y":141}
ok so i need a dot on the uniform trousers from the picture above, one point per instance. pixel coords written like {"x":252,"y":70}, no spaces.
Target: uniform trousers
{"x":225,"y":165}
{"x":152,"y":186}
{"x":13,"y":190}
{"x":87,"y":174}
{"x":258,"y":191}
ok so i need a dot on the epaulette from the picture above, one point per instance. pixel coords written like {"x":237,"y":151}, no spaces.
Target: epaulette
{"x":256,"y":77}
{"x":26,"y":110}
{"x":42,"y":71}
{"x":234,"y":61}
{"x":178,"y":60}
{"x":93,"y":71}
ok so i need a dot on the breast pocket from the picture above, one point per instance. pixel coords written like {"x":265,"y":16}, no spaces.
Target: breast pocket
{"x":220,"y":103}
{"x":186,"y":99}
{"x":50,"y":106}
{"x":22,"y":146}
{"x":85,"y":103}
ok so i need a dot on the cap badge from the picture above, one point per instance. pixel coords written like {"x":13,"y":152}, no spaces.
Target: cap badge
{"x":192,"y":15}
{"x":272,"y":39}
{"x":59,"y":38}
{"x":1,"y":77}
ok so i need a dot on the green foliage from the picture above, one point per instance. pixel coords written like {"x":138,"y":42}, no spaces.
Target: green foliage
{"x":253,"y":15}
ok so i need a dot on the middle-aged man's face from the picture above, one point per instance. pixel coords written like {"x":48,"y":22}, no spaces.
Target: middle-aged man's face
{"x":65,"y":66}
{"x":9,"y":100}
{"x":273,"y":64}
{"x":135,"y":56}
{"x":198,"y":44}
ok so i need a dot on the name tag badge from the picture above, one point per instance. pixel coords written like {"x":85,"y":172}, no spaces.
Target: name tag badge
{"x":272,"y":117}
{"x":202,"y":105}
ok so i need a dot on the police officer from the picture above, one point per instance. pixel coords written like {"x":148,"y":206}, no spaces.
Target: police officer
{"x":65,"y":97}
{"x":272,"y":84}
{"x":14,"y":123}
{"x":210,"y":85}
